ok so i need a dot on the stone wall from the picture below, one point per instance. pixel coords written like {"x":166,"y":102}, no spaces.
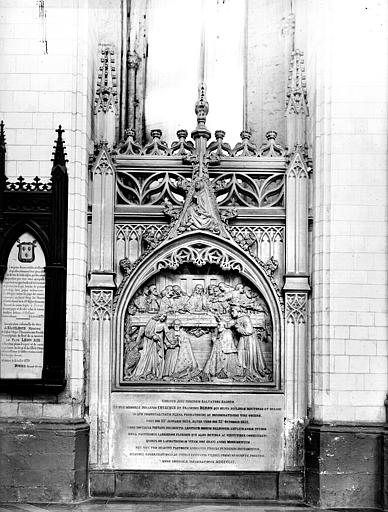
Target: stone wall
{"x":349,"y":130}
{"x":40,"y":91}
{"x":41,"y":87}
{"x":346,"y":66}
{"x":268,"y":63}
{"x":43,"y":460}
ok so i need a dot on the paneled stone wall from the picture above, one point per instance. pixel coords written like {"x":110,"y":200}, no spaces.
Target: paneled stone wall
{"x":42,"y":86}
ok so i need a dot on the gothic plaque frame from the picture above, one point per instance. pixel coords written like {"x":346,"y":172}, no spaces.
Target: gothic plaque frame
{"x":40,"y":208}
{"x":235,"y":259}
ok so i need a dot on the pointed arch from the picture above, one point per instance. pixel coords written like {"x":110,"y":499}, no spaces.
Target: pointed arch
{"x":14,"y":233}
{"x":206,"y":248}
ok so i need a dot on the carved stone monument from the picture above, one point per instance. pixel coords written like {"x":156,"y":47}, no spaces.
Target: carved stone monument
{"x":195,"y":321}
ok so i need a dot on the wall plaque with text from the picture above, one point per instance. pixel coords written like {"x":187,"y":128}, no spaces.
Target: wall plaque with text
{"x":33,"y":274}
{"x":198,"y":431}
{"x":22,"y":311}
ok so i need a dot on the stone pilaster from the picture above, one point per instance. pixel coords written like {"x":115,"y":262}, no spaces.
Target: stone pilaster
{"x":101,"y":286}
{"x":296,"y":289}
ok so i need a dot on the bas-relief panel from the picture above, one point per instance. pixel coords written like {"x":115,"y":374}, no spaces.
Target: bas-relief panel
{"x":187,"y":327}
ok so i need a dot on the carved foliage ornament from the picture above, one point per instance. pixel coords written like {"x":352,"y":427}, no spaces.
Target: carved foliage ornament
{"x":36,"y":185}
{"x":217,"y":148}
{"x":232,"y":189}
{"x":199,"y":255}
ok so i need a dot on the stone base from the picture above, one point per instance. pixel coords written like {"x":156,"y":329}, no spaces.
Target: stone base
{"x":345,"y":465}
{"x":385,"y":471}
{"x":198,"y":485}
{"x":43,"y":460}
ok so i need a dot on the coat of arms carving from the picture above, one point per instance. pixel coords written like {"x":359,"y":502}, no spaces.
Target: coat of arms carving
{"x":26,"y":253}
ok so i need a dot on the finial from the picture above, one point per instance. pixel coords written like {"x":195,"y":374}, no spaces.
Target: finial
{"x":59,"y":153}
{"x":271,"y":135}
{"x":2,"y":136}
{"x":202,"y":106}
{"x":201,"y":110}
{"x":296,"y":97}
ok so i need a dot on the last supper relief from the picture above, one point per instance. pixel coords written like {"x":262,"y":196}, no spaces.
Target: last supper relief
{"x":200,"y":328}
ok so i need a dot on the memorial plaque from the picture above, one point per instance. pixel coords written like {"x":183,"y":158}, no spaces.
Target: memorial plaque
{"x":22,"y":311}
{"x":198,"y":431}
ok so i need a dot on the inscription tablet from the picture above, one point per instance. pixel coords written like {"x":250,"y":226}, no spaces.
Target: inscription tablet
{"x":22,"y":311}
{"x":198,"y":431}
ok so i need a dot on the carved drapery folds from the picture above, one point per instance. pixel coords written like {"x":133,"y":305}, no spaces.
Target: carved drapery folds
{"x":203,"y":328}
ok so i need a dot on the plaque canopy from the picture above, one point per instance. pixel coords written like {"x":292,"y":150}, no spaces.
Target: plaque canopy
{"x":198,"y":297}
{"x":33,"y":248}
{"x":195,"y":308}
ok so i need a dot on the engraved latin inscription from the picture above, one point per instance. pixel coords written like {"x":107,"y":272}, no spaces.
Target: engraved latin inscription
{"x":22,"y":312}
{"x":198,"y":431}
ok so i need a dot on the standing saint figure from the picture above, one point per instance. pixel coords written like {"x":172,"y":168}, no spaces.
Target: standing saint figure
{"x":186,"y":365}
{"x":151,"y":362}
{"x":171,"y":343}
{"x":250,"y":355}
{"x":223,"y":361}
